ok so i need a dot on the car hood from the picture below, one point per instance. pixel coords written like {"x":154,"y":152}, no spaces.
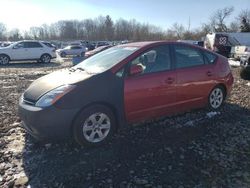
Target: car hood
{"x":53,"y":80}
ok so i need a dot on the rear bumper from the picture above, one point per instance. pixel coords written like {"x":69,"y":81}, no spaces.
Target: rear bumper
{"x":245,"y":63}
{"x":46,"y":124}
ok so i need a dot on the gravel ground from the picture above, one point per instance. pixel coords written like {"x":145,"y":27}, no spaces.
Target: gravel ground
{"x":195,"y":149}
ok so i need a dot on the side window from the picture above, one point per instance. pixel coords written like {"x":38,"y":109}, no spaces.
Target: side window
{"x":209,"y":57}
{"x":154,"y":60}
{"x":75,"y":47}
{"x":187,"y":57}
{"x":32,"y":45}
{"x":19,"y":45}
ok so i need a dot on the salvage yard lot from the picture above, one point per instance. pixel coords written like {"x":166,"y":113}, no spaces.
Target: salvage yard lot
{"x":195,"y":149}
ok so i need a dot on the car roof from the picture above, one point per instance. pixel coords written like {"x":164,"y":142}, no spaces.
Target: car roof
{"x":148,"y":43}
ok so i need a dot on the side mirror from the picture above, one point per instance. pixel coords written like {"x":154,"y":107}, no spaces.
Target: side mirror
{"x":135,"y":70}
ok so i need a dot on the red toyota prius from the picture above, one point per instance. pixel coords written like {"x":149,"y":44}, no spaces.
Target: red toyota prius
{"x":124,"y":84}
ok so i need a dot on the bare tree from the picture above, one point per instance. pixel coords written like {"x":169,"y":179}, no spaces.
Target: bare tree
{"x":109,"y":28}
{"x":15,"y":35}
{"x":2,"y":32}
{"x":218,"y":19}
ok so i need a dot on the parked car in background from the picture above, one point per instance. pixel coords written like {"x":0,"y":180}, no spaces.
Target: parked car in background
{"x":239,"y":51}
{"x":101,"y":43}
{"x":123,"y":84}
{"x":245,"y":60}
{"x":194,"y":42}
{"x":5,"y":44}
{"x":96,"y":51}
{"x":221,"y":43}
{"x":72,"y":50}
{"x":27,"y":50}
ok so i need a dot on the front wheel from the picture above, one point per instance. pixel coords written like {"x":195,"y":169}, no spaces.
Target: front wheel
{"x":216,"y":97}
{"x":4,"y":60}
{"x":45,"y":58}
{"x":94,"y":126}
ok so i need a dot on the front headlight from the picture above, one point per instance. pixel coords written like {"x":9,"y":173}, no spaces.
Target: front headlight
{"x":54,"y":95}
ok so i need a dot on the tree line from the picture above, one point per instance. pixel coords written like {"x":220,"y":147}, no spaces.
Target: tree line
{"x":104,"y":28}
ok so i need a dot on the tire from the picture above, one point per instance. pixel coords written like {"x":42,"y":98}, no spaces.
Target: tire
{"x":45,"y":58}
{"x":90,"y":130}
{"x":82,"y":54}
{"x":4,"y":59}
{"x":63,"y":54}
{"x":216,"y":98}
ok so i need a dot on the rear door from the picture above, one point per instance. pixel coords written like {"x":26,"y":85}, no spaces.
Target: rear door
{"x":152,"y":93}
{"x":195,"y":76}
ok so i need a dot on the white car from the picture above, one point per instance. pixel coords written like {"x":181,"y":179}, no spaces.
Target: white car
{"x":72,"y":50}
{"x":27,"y":50}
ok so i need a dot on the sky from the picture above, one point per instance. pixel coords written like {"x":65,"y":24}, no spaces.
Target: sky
{"x":23,"y":14}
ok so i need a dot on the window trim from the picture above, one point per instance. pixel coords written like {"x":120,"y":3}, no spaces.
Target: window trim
{"x":191,"y":47}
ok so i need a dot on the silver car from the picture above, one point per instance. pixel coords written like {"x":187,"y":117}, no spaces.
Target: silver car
{"x":72,"y":50}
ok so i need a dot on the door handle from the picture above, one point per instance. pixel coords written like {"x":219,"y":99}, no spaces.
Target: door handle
{"x":169,"y":80}
{"x":209,"y":73}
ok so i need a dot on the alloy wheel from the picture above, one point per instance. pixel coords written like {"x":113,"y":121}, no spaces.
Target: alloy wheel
{"x":4,"y":60}
{"x":96,"y":127}
{"x":216,"y":98}
{"x":46,"y":58}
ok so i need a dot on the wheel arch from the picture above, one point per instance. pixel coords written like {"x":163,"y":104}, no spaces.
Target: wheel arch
{"x":6,"y":55}
{"x":101,"y":103}
{"x":45,"y":54}
{"x":223,"y":86}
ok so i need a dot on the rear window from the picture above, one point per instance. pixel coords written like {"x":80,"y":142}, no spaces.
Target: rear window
{"x":209,"y":58}
{"x":48,"y":44}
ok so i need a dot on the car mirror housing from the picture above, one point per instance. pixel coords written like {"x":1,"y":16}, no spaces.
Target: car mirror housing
{"x":135,"y":70}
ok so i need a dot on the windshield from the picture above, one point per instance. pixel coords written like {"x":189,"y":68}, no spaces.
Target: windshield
{"x":105,"y":59}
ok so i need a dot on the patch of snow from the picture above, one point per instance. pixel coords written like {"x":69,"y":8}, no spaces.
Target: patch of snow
{"x":47,"y":146}
{"x":234,"y":63}
{"x":212,"y":114}
{"x":248,"y":83}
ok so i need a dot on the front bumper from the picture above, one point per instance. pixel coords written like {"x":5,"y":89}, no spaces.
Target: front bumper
{"x":46,"y":124}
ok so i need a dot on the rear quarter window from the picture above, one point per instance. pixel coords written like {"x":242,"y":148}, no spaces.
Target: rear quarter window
{"x":210,"y":58}
{"x":48,"y":44}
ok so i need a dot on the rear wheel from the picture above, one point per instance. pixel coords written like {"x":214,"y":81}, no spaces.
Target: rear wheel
{"x":45,"y":58}
{"x":94,"y":126}
{"x":4,"y":60}
{"x":216,"y":97}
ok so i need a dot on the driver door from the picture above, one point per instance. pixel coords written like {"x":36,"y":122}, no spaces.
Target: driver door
{"x":18,"y":52}
{"x":152,"y":93}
